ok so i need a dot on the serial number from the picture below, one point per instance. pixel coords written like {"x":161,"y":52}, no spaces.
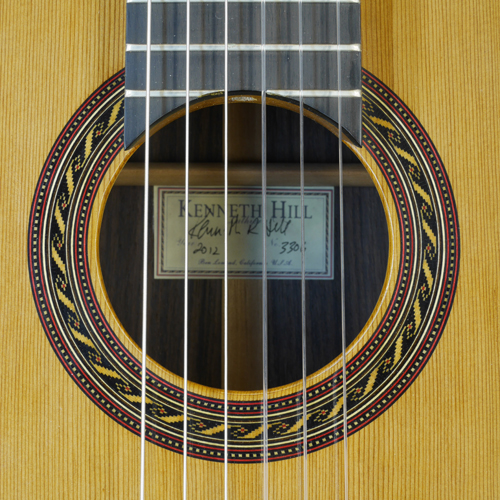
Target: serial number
{"x":290,"y":247}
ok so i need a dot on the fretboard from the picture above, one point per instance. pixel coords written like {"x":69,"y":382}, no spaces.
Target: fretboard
{"x":320,"y":52}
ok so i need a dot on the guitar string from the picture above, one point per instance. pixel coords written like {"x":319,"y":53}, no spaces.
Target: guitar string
{"x":186,"y":258}
{"x":226,"y":158}
{"x":302,"y":258}
{"x":264,"y":277}
{"x":145,"y":254}
{"x":342,"y":267}
{"x":265,"y":381}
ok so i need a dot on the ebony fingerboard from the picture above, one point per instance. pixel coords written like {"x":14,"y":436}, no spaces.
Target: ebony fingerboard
{"x":168,"y":56}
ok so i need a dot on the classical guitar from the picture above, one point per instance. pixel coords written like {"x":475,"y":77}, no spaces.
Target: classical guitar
{"x":388,"y":245}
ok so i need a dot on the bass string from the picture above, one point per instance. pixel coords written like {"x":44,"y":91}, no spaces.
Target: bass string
{"x":302,"y":257}
{"x":342,"y":261}
{"x":145,"y":254}
{"x":186,"y":259}
{"x":265,"y":381}
{"x":226,"y":158}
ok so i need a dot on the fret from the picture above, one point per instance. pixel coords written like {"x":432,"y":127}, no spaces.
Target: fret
{"x":319,"y":24}
{"x":242,"y":47}
{"x":243,"y":1}
{"x":207,"y":70}
{"x":195,"y":94}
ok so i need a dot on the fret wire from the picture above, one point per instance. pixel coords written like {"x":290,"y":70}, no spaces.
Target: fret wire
{"x":145,"y":255}
{"x":186,"y":256}
{"x":244,"y":47}
{"x":280,"y":93}
{"x":247,"y":1}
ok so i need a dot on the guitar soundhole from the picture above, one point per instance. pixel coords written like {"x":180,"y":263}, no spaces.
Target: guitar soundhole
{"x":366,"y":254}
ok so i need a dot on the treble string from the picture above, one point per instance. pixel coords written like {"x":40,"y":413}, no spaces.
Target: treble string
{"x":145,"y":253}
{"x":226,"y":149}
{"x":186,"y":257}
{"x":342,"y":266}
{"x":302,"y":258}
{"x":265,"y":382}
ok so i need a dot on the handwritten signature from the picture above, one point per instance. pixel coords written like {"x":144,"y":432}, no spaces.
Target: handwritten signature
{"x":205,"y":228}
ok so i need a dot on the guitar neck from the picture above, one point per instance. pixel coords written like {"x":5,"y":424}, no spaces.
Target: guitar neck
{"x":250,"y":53}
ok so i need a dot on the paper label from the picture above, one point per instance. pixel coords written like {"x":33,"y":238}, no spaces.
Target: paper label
{"x":244,"y":227}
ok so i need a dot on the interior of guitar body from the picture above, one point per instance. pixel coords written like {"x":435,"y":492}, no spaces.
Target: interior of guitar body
{"x":365,"y":242}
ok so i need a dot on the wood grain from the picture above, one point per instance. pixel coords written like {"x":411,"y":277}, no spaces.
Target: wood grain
{"x":440,"y":441}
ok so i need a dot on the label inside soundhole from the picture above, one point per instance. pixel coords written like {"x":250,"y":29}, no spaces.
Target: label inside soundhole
{"x":245,"y":225}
